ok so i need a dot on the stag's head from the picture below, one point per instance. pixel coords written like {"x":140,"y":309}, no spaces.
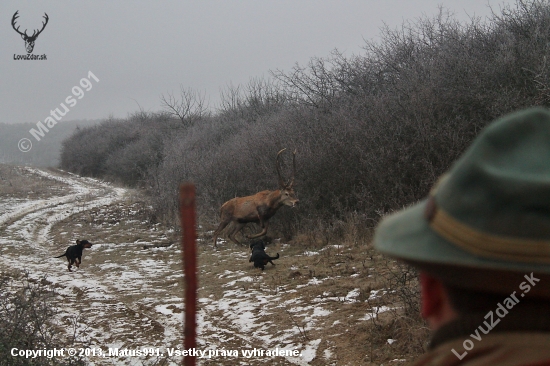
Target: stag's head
{"x":29,"y":40}
{"x":288,"y":197}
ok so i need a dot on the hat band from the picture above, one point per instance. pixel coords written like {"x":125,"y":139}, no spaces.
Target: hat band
{"x":487,"y":245}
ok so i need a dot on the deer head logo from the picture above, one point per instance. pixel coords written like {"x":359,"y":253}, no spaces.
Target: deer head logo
{"x":29,"y":40}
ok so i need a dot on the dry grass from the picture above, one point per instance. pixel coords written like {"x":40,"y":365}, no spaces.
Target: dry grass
{"x":16,"y":182}
{"x":126,"y":222}
{"x":329,"y":268}
{"x":329,"y":288}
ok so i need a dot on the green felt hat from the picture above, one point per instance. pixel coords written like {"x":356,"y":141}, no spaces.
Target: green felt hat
{"x":486,"y":223}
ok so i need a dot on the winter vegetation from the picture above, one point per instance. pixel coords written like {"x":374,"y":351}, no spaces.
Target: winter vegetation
{"x":372,"y":131}
{"x":29,"y":320}
{"x":339,"y":304}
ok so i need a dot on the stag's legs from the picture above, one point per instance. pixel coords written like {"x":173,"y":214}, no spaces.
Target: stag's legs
{"x":222,"y":226}
{"x":261,"y":233}
{"x":236,"y":228}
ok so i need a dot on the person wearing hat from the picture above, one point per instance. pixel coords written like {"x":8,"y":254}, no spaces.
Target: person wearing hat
{"x":481,"y":243}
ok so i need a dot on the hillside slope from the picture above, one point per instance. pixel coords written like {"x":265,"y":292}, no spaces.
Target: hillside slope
{"x":320,"y":302}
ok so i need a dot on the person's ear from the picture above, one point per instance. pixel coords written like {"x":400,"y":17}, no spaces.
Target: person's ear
{"x":436,"y":307}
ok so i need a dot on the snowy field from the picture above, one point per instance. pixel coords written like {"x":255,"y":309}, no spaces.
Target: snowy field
{"x":127,"y":294}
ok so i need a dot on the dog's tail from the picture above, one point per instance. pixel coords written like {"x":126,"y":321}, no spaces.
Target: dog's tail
{"x":277,"y":257}
{"x":62,"y":255}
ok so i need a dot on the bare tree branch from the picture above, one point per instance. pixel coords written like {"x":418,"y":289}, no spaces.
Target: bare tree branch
{"x":188,"y":108}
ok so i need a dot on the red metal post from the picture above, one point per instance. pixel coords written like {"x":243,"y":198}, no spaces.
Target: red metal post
{"x":189,"y":254}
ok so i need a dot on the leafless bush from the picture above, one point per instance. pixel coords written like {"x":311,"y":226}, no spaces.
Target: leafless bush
{"x":372,"y":131}
{"x":258,"y":98}
{"x":189,"y":107}
{"x":28,"y":321}
{"x":396,"y":314}
{"x":126,"y":150}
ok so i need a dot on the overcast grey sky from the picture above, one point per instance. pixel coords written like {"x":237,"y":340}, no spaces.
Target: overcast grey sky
{"x":141,"y":49}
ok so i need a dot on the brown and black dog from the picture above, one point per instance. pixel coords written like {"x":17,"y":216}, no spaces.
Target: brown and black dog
{"x":74,"y":253}
{"x":259,"y":256}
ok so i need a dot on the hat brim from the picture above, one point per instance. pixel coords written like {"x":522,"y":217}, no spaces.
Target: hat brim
{"x":406,"y":235}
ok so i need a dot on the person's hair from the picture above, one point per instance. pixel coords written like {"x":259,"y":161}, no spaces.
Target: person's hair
{"x":466,"y":301}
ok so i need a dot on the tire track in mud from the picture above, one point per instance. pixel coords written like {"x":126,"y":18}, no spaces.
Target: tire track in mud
{"x":122,"y":297}
{"x":125,"y":296}
{"x":94,"y":303}
{"x":31,"y":221}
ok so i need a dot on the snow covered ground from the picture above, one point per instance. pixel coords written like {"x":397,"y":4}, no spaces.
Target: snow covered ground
{"x":128,"y":293}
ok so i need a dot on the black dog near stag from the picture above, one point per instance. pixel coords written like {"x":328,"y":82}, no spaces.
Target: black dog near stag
{"x":259,"y":256}
{"x":74,"y":253}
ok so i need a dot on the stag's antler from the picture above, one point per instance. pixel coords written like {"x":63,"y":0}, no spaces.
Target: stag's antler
{"x":278,"y":165}
{"x":35,"y":33}
{"x":13,"y":19}
{"x":291,"y":183}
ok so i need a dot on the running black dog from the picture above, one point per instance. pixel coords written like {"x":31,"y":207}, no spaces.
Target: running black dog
{"x":74,"y":253}
{"x":259,"y":256}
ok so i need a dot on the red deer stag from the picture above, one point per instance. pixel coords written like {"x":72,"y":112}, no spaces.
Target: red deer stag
{"x":258,"y":208}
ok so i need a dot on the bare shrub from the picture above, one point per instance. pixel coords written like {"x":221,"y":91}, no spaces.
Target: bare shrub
{"x":373,"y":131}
{"x":127,"y":151}
{"x":396,"y":314}
{"x":189,"y":107}
{"x":28,"y":321}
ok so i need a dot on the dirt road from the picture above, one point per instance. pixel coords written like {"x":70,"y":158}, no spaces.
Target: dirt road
{"x":127,"y":294}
